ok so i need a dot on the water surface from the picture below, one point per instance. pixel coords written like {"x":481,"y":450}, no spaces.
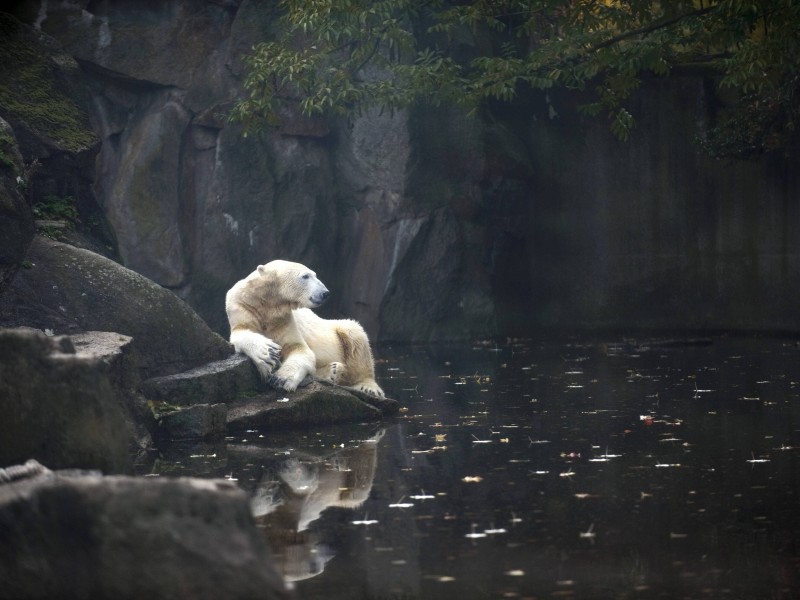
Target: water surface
{"x":527,"y":469}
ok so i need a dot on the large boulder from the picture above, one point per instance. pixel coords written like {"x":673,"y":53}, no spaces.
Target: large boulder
{"x":88,"y":536}
{"x":59,"y":406}
{"x":69,"y":290}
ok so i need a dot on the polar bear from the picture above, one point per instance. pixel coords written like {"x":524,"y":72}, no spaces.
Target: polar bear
{"x":270,"y":315}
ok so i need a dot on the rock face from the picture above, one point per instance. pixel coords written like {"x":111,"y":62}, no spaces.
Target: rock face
{"x":16,"y":216}
{"x":426,"y":225}
{"x":87,"y":536}
{"x":59,"y":405}
{"x":195,"y":206}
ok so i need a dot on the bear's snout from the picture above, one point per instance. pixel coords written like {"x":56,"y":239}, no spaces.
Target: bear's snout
{"x":318,"y":298}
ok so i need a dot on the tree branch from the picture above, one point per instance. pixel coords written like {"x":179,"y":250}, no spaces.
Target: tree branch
{"x":652,"y":27}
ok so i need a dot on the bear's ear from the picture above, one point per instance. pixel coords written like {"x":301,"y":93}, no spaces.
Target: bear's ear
{"x":267,"y":275}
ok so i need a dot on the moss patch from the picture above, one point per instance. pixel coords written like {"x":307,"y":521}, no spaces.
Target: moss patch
{"x":7,"y":144}
{"x":33,"y":89}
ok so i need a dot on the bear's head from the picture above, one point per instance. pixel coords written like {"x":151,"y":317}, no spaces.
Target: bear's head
{"x":292,"y":283}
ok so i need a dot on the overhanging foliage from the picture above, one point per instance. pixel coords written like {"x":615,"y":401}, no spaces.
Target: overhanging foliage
{"x":337,"y":57}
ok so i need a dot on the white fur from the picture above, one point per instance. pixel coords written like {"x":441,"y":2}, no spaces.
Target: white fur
{"x":264,"y":352}
{"x":269,"y":311}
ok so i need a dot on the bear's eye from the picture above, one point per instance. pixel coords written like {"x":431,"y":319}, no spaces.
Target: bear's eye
{"x":306,"y":276}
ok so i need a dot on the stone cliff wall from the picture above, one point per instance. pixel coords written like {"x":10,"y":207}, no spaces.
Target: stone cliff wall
{"x":425,"y":224}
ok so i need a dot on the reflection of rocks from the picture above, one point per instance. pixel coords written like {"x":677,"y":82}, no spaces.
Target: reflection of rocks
{"x":87,"y":536}
{"x":287,"y":504}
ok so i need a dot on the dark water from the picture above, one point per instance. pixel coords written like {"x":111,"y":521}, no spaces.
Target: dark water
{"x":540,"y":470}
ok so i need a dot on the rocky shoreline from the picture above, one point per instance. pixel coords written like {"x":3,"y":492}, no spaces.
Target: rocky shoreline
{"x":99,"y":366}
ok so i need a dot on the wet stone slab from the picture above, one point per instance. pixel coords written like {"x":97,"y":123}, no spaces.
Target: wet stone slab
{"x":318,"y":403}
{"x":212,"y":383}
{"x":224,"y":396}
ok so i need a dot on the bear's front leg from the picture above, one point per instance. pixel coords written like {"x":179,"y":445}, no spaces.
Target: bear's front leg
{"x":264,"y":353}
{"x":295,"y":369}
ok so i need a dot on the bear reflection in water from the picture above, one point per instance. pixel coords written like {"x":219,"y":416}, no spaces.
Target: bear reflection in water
{"x":287,"y":502}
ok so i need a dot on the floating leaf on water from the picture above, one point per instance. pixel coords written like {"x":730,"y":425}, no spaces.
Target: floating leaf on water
{"x":472,"y":479}
{"x":532,"y":442}
{"x":758,"y":460}
{"x":422,"y":496}
{"x":515,"y":573}
{"x":589,"y":533}
{"x":473,"y":535}
{"x":607,"y":455}
{"x":494,"y":530}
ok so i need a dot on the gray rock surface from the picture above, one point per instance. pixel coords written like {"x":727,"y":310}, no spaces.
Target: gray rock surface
{"x":219,"y":381}
{"x":318,"y":403}
{"x":70,"y":290}
{"x":88,"y":536}
{"x":196,"y":422}
{"x":59,"y":406}
{"x":16,"y":216}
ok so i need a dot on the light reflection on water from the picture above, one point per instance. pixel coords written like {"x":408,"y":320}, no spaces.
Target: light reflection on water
{"x":534,"y":469}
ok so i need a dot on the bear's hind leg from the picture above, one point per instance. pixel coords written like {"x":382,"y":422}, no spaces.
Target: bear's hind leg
{"x":333,"y":372}
{"x":369,"y":386}
{"x":358,"y":358}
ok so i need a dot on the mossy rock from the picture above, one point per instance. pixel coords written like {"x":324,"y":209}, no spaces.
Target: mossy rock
{"x":37,"y":90}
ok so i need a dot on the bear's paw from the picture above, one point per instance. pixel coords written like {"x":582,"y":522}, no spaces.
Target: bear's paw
{"x":332,"y":372}
{"x":368,"y":386}
{"x":281,"y":383}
